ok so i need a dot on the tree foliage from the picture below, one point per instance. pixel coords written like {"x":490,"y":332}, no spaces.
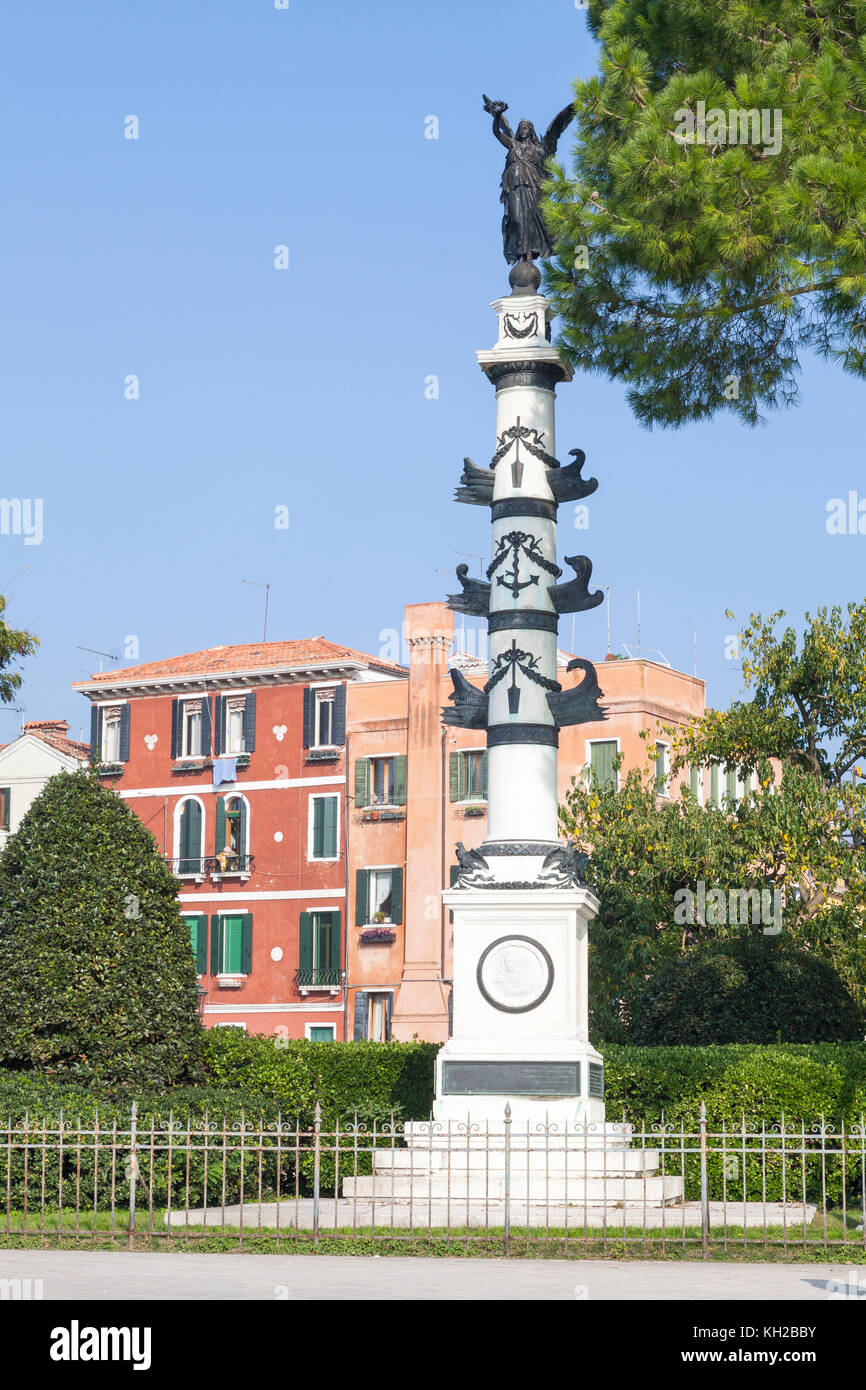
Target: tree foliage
{"x":696,"y":261}
{"x":745,"y":990}
{"x":13,"y":644}
{"x":98,"y":974}
{"x":647,"y":852}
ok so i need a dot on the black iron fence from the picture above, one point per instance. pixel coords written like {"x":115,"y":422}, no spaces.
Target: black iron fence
{"x":624,"y":1187}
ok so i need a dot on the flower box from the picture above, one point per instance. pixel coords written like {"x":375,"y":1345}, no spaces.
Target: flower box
{"x":378,"y":936}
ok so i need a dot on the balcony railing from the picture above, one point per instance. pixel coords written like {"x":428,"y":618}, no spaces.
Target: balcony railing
{"x":215,"y":865}
{"x":318,"y":978}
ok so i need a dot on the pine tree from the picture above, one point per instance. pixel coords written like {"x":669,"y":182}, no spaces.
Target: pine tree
{"x":700,"y":254}
{"x":98,"y":975}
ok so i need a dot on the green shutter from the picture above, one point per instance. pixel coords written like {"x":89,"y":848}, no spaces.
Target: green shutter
{"x":714,"y":783}
{"x":400,"y":780}
{"x":362,"y":896}
{"x":247,"y":944}
{"x":329,"y":826}
{"x":731,"y":783}
{"x":318,"y":828}
{"x":305,"y":941}
{"x":233,"y":937}
{"x":454,"y":777}
{"x":216,"y":944}
{"x":243,"y":844}
{"x":601,"y":758}
{"x":695,"y":782}
{"x":336,"y":961}
{"x":362,"y":782}
{"x":220,"y":825}
{"x":397,"y":896}
{"x":201,"y":946}
{"x":484,"y":774}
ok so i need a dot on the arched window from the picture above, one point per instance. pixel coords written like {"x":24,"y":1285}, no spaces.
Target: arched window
{"x":189,"y":837}
{"x":233,"y":833}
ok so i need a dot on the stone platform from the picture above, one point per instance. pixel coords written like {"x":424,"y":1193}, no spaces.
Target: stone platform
{"x":450,"y":1163}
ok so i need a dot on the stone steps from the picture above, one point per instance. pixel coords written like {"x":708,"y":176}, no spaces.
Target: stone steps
{"x":537,"y":1162}
{"x":490,"y":1187}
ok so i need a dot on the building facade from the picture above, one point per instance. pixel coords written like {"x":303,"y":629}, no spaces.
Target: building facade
{"x":42,"y":749}
{"x":235,"y":759}
{"x":309,"y":800}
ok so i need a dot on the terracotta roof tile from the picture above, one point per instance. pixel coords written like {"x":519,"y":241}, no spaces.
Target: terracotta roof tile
{"x":252,"y":656}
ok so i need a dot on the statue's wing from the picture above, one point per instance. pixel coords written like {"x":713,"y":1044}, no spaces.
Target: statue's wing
{"x":566,"y":483}
{"x":573,"y":596}
{"x":470,"y":704}
{"x":580,"y":704}
{"x":476,"y":484}
{"x":556,"y":127}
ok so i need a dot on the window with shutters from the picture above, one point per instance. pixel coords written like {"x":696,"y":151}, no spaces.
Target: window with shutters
{"x":5,"y":807}
{"x":663,"y":769}
{"x":111,"y":716}
{"x":467,"y":775}
{"x":319,"y":951}
{"x":602,"y":755}
{"x":231,"y":946}
{"x":715,"y":795}
{"x":232,"y":835}
{"x":189,"y":837}
{"x":323,"y":827}
{"x":379,"y":897}
{"x":380,"y":782}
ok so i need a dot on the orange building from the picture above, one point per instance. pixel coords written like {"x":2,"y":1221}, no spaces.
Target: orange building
{"x":417,"y":787}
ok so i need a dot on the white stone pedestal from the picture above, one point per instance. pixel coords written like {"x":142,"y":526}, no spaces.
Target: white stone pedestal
{"x":519,"y":1034}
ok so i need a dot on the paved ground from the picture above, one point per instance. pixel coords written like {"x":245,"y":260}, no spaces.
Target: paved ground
{"x":74,"y":1274}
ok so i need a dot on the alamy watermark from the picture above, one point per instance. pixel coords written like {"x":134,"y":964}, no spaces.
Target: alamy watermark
{"x":22,"y":516}
{"x":734,"y":125}
{"x":735,"y":907}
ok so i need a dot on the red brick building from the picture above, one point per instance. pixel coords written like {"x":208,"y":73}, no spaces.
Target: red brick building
{"x":235,"y":759}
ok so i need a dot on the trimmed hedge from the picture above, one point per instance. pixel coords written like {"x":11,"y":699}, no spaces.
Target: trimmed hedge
{"x":260,"y":1080}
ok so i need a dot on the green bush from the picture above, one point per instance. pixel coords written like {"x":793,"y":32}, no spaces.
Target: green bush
{"x":746,"y":991}
{"x":372,"y":1079}
{"x":749,"y":1092}
{"x":98,"y":975}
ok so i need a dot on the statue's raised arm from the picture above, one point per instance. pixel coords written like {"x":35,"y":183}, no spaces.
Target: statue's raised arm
{"x":501,"y":129}
{"x":556,"y":127}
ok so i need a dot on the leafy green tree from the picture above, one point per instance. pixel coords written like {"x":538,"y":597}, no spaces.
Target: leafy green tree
{"x":808,"y":708}
{"x":646,"y":853}
{"x":12,"y":644}
{"x":702,"y":249}
{"x":98,"y":974}
{"x":747,"y":991}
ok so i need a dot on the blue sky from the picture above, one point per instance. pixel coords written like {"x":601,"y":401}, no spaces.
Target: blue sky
{"x":305,"y":387}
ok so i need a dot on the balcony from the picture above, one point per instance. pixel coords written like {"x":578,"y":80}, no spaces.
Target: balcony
{"x":215,"y":866}
{"x":318,"y":980}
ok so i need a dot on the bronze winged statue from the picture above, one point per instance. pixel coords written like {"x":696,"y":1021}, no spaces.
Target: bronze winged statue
{"x":524,"y":235}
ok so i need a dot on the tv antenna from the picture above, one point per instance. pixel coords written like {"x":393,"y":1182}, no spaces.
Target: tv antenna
{"x":262,"y":584}
{"x":94,"y":651}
